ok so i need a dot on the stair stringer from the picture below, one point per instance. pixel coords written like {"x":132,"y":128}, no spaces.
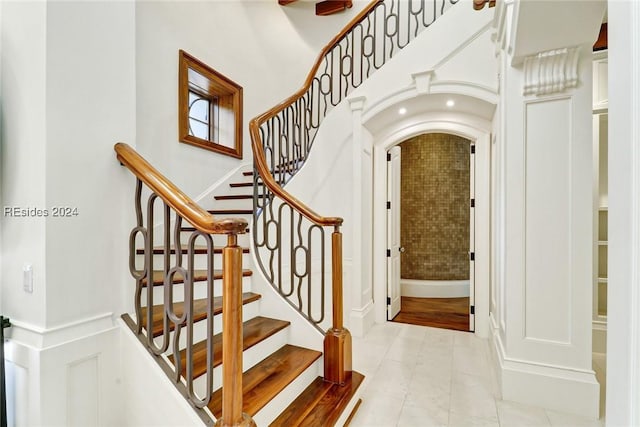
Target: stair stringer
{"x":150,"y":397}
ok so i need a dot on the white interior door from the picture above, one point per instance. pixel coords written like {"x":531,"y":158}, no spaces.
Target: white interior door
{"x":393,"y":232}
{"x":472,"y":238}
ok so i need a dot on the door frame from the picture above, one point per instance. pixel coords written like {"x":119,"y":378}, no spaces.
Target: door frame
{"x":481,"y":137}
{"x":396,"y":207}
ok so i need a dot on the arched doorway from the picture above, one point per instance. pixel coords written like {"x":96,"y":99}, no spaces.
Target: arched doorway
{"x":472,"y":127}
{"x":430,"y":228}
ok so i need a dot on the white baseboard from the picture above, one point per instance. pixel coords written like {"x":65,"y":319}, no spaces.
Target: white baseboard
{"x":434,"y":288}
{"x":563,"y":389}
{"x":361,"y":320}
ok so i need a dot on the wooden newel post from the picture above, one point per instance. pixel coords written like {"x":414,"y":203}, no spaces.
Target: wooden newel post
{"x":337,"y":340}
{"x":232,"y":415}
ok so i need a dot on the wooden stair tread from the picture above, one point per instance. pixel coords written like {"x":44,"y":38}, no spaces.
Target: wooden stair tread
{"x":264,"y":381}
{"x":243,"y":184}
{"x":321,"y":403}
{"x":238,"y":197}
{"x":199,"y":249}
{"x":234,"y":197}
{"x":253,"y":331}
{"x":199,"y":311}
{"x":198,"y":276}
{"x":230,"y":211}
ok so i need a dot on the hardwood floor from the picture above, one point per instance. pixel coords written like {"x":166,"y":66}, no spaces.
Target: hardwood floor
{"x":447,"y":313}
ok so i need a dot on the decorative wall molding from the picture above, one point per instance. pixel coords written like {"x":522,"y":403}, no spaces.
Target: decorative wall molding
{"x":422,"y":81}
{"x":41,"y":338}
{"x":551,"y":71}
{"x":357,"y":103}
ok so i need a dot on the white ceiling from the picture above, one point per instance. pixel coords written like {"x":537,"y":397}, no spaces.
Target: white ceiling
{"x":432,"y":103}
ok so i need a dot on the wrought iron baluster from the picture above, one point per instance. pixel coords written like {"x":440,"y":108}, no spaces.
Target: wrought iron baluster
{"x":138,"y":275}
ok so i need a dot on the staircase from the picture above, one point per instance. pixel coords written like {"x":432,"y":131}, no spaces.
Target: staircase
{"x":321,"y":402}
{"x":201,"y":284}
{"x":281,"y":382}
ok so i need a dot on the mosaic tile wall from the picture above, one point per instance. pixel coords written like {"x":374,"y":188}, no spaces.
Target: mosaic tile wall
{"x":435,"y":207}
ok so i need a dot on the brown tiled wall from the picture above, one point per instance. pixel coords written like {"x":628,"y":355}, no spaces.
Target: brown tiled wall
{"x":435,"y":207}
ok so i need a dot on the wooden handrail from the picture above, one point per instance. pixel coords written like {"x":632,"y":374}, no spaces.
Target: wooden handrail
{"x":174,"y":197}
{"x":256,"y":140}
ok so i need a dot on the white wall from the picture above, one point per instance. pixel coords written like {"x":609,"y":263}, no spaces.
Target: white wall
{"x":90,"y":105}
{"x":68,"y":95}
{"x":23,"y":156}
{"x":623,"y":320}
{"x":265,"y":48}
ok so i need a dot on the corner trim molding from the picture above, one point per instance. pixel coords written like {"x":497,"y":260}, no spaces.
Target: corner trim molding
{"x":551,"y":71}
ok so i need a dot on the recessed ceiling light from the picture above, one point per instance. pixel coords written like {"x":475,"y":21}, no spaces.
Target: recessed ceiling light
{"x":402,"y":111}
{"x":451,"y":103}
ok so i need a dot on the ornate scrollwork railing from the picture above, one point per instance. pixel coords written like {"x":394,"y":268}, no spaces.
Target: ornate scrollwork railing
{"x":289,"y":237}
{"x":160,"y":322}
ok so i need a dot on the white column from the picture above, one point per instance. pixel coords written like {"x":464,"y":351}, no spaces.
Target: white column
{"x":361,"y":316}
{"x":544,"y":345}
{"x":623,"y":320}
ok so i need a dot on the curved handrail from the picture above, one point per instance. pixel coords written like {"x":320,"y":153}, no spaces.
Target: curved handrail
{"x":174,"y":197}
{"x":254,"y":128}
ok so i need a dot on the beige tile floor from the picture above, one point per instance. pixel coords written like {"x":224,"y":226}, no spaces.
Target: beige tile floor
{"x":419,"y":377}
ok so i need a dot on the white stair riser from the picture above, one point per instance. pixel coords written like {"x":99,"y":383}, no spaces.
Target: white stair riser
{"x":199,"y":291}
{"x":236,"y":203}
{"x":249,"y":311}
{"x":279,"y":403}
{"x":200,"y":261}
{"x":250,"y":358}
